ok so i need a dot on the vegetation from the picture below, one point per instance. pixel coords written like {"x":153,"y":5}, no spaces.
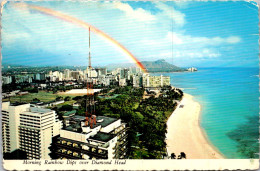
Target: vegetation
{"x":43,"y":96}
{"x":67,"y":98}
{"x":66,"y":108}
{"x":145,"y":117}
{"x":247,"y":139}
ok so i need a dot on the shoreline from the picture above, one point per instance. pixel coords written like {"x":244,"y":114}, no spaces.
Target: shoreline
{"x":185,"y":134}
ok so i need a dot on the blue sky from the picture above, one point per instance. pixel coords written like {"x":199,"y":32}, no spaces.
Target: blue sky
{"x":201,"y":34}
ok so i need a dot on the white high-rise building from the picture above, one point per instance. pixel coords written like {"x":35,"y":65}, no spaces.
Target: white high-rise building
{"x":92,"y":73}
{"x":29,"y":129}
{"x":155,"y":81}
{"x":6,"y":80}
{"x":67,"y":74}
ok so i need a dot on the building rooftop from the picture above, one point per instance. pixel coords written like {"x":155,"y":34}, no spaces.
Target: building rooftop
{"x":17,"y":103}
{"x":76,"y":126}
{"x":101,"y":136}
{"x":39,"y":110}
{"x":106,"y":120}
{"x":69,"y":113}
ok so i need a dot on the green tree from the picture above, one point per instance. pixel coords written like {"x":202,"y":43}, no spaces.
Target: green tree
{"x":66,"y":108}
{"x":36,"y":100}
{"x":67,"y":98}
{"x":54,"y":90}
{"x":59,"y":98}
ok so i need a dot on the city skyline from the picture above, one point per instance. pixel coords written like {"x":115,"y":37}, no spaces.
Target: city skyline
{"x":174,"y":31}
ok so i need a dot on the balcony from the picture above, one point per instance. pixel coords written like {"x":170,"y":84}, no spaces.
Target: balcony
{"x":88,"y":152}
{"x":123,"y":130}
{"x":122,"y":137}
{"x":68,"y":156}
{"x":120,"y":147}
{"x":120,"y":154}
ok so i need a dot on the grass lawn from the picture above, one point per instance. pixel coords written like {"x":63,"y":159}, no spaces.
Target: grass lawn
{"x":41,"y":95}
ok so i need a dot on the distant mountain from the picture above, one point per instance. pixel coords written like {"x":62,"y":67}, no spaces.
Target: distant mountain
{"x":152,"y":66}
{"x":161,"y":66}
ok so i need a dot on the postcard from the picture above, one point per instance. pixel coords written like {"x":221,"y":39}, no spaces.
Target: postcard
{"x":130,"y":85}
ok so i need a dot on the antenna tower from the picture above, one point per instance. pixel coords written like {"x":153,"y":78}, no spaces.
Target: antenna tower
{"x":90,"y":104}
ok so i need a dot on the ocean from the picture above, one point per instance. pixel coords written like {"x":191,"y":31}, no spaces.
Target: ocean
{"x":227,"y":96}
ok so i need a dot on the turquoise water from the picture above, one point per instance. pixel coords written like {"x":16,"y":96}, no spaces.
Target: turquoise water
{"x":227,"y":96}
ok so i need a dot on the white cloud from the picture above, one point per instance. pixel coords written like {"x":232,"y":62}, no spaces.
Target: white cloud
{"x":176,"y":38}
{"x":204,"y":53}
{"x":14,"y":36}
{"x":233,"y":39}
{"x":144,"y":34}
{"x":169,"y":11}
{"x":139,"y":14}
{"x":179,"y":45}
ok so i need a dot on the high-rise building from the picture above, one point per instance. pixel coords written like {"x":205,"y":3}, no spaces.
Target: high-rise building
{"x":102,"y":71}
{"x":29,"y":129}
{"x":103,"y":80}
{"x":137,"y":80}
{"x":39,"y":76}
{"x":6,"y":79}
{"x":76,"y":74}
{"x":135,"y":70}
{"x":67,"y":74}
{"x":155,"y":81}
{"x":92,"y":73}
{"x":101,"y":138}
{"x":124,"y":73}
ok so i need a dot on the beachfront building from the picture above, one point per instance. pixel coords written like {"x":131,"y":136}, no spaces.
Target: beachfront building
{"x":155,"y":81}
{"x":95,"y":137}
{"x":29,"y":129}
{"x":192,"y":69}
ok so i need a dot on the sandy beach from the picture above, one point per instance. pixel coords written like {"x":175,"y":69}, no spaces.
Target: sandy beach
{"x":184,"y":133}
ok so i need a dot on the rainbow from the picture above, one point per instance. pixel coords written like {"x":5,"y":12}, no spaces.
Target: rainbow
{"x":84,"y":25}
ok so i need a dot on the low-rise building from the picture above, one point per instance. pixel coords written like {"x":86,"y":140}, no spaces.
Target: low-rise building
{"x":192,"y":69}
{"x":53,"y":103}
